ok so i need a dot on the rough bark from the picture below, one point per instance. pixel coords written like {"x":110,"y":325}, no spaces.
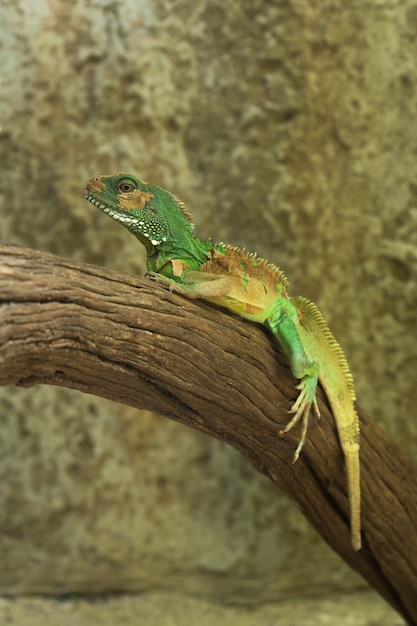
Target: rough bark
{"x":123,"y":338}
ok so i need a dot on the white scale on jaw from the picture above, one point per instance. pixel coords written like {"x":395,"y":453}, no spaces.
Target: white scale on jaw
{"x":121,"y":218}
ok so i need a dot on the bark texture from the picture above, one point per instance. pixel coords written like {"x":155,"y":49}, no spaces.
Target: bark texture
{"x":78,"y":326}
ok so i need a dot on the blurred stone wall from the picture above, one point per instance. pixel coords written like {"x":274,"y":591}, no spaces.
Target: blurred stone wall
{"x":288,"y":127}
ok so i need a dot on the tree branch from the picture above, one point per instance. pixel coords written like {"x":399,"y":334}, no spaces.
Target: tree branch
{"x":123,"y":338}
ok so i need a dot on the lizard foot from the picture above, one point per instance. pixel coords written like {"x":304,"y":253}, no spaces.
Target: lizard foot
{"x":301,"y":410}
{"x":168,"y":283}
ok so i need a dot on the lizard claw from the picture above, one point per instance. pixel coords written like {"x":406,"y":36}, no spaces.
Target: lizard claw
{"x":161,"y":280}
{"x":301,"y":411}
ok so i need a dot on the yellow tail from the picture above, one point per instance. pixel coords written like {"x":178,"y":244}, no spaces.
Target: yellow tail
{"x":337,"y":381}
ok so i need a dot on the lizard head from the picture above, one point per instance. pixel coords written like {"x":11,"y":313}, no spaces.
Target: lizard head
{"x":152,"y":214}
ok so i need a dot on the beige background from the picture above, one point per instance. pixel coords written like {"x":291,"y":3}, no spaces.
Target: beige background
{"x":288,"y":127}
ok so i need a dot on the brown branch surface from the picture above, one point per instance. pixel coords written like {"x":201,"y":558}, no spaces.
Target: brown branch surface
{"x":124,"y":338}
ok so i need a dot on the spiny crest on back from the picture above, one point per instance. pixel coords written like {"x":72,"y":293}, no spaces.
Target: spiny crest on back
{"x":256,"y":266}
{"x":184,"y":210}
{"x":312,"y":311}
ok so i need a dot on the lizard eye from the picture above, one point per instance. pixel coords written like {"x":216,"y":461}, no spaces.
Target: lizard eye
{"x":126,"y":186}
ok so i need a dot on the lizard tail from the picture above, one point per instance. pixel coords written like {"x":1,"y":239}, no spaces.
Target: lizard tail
{"x":337,"y":381}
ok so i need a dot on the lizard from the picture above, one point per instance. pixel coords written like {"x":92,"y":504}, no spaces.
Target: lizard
{"x":250,"y":287}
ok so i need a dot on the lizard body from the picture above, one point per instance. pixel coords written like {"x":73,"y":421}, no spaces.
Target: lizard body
{"x":250,"y":287}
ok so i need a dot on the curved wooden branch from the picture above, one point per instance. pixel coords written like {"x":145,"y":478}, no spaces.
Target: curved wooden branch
{"x":117,"y":336}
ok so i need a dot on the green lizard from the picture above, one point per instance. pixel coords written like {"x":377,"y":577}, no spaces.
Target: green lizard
{"x":253,"y":289}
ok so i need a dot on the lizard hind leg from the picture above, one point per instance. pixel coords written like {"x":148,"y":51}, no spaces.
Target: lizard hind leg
{"x":284,"y":325}
{"x":301,"y":410}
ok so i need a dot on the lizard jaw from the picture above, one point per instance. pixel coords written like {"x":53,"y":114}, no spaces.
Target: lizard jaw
{"x":123,"y":219}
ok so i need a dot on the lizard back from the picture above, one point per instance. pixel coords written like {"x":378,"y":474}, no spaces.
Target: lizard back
{"x":255,"y":284}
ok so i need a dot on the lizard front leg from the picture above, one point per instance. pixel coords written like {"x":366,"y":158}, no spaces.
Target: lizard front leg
{"x":283,"y":326}
{"x":194,"y":284}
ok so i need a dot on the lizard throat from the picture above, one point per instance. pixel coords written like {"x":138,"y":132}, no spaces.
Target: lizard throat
{"x":126,"y":220}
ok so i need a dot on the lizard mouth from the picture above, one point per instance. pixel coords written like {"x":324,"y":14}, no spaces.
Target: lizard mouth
{"x":116,"y":215}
